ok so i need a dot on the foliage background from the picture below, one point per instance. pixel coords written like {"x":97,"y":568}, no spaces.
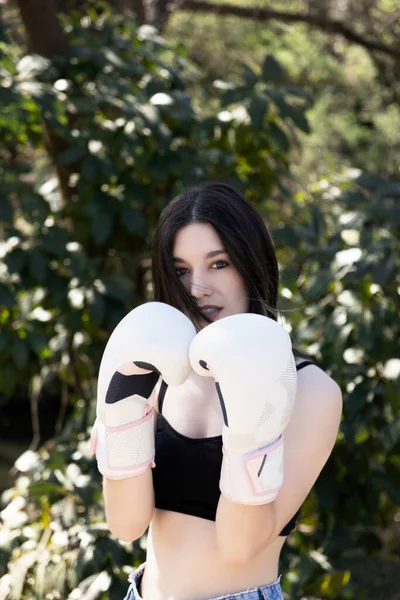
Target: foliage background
{"x":96,"y":140}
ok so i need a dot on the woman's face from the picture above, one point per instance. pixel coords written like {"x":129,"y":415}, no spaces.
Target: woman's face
{"x":207,"y":272}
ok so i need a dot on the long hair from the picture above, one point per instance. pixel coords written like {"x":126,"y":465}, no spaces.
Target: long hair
{"x":245,"y":239}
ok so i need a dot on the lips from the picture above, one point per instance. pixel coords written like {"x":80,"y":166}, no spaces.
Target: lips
{"x":210,"y":311}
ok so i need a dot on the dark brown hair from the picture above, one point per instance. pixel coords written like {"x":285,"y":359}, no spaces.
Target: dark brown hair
{"x":243,"y":234}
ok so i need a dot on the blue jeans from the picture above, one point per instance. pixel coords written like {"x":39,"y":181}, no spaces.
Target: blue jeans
{"x":265,"y":592}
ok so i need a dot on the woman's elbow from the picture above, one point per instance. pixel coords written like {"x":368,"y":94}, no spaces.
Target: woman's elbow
{"x":129,"y":506}
{"x":128,"y":532}
{"x":129,"y":528}
{"x":236,"y":555}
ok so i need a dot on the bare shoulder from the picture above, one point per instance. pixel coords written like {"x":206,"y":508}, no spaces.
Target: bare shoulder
{"x":317,"y":390}
{"x":316,"y":416}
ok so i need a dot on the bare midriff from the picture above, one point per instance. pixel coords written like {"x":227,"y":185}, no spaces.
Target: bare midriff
{"x":183,"y":563}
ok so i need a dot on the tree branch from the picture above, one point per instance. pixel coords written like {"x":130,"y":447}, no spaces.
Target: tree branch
{"x":267,"y":14}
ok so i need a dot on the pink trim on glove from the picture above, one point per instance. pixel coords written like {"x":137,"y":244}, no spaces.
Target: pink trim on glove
{"x":127,"y":450}
{"x":132,"y":424}
{"x":255,"y":463}
{"x":253,"y":478}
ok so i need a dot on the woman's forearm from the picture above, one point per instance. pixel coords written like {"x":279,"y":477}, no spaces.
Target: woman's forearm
{"x":129,"y":505}
{"x":243,"y":531}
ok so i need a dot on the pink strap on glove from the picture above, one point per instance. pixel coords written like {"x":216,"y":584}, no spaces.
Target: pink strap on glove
{"x":125,"y":451}
{"x":255,"y":477}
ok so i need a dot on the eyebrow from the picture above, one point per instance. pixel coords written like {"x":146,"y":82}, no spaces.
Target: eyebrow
{"x":208,"y":255}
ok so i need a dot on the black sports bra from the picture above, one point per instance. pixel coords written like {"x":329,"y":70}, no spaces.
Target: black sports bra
{"x":187,"y":471}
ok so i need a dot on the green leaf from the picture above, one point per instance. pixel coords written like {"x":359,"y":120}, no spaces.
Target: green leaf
{"x":34,"y":206}
{"x":38,"y":266}
{"x":7,"y":300}
{"x":316,"y":287}
{"x":258,"y":109}
{"x":388,"y":189}
{"x":370,"y":181}
{"x":294,"y":113}
{"x":85,"y":106}
{"x":318,"y":222}
{"x":278,"y":137}
{"x":356,"y":399}
{"x":97,"y":307}
{"x":369,"y":541}
{"x":55,"y":241}
{"x":384,"y":270}
{"x":6,"y":210}
{"x":44,"y":489}
{"x":341,"y":341}
{"x":7,"y":96}
{"x":4,"y":340}
{"x":387,"y":481}
{"x":72,"y":155}
{"x":20,"y":353}
{"x":118,"y":287}
{"x":332,"y":585}
{"x":353,"y":199}
{"x":286,"y":236}
{"x":234,"y":96}
{"x":326,"y":492}
{"x":102,"y":226}
{"x":113,"y":58}
{"x":80,"y":50}
{"x":299,"y":119}
{"x":8,"y":64}
{"x":38,"y":342}
{"x":15,"y":260}
{"x":9,"y":377}
{"x":133,"y":221}
{"x":91,"y":167}
{"x":272,"y":70}
{"x":390,"y":434}
{"x":293,"y":90}
{"x":249,"y":76}
{"x":362,"y":434}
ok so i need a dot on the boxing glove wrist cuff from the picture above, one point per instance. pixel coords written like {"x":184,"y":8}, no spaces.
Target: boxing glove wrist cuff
{"x":125,"y":451}
{"x":254,"y":477}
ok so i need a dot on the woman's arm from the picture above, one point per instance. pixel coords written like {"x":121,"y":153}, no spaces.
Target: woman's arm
{"x":129,"y":505}
{"x":150,"y":344}
{"x":243,"y":531}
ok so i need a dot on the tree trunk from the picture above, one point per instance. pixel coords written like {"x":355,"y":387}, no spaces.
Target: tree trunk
{"x":158,"y":12}
{"x":46,"y":37}
{"x":139,"y":8}
{"x":44,"y":33}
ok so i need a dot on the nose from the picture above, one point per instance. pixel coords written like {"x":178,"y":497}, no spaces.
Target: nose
{"x":198,"y":287}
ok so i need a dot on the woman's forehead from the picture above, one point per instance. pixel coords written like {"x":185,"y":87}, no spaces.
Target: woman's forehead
{"x":197,"y":239}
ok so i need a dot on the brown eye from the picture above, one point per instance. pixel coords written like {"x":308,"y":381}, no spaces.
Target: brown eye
{"x":220,"y":264}
{"x":180,"y":271}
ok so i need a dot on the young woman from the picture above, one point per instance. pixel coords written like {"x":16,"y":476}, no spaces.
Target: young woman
{"x":204,"y":386}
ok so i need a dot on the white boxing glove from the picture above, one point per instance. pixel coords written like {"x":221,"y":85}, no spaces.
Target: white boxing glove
{"x":153,"y":340}
{"x":250,"y":357}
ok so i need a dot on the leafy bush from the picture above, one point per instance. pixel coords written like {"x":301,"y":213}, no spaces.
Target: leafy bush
{"x":54,"y":532}
{"x":344,"y":275}
{"x":131,"y":137}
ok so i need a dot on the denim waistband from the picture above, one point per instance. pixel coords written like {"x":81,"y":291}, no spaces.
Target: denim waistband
{"x":271,"y":591}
